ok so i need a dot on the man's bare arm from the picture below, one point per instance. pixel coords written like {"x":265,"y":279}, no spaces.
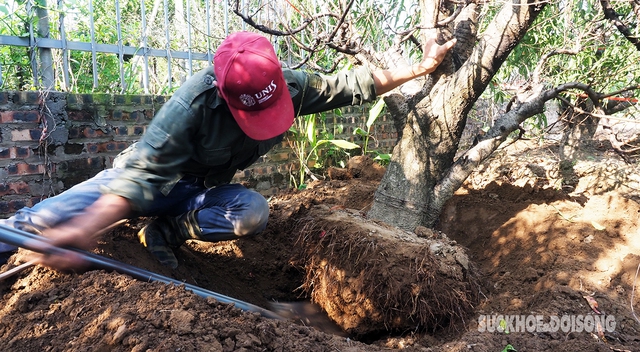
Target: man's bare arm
{"x":81,"y":231}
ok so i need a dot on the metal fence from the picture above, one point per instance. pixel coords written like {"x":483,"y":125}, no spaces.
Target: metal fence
{"x":153,"y":45}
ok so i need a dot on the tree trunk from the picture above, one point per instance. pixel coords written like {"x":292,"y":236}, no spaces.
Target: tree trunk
{"x":579,"y":127}
{"x":415,"y":188}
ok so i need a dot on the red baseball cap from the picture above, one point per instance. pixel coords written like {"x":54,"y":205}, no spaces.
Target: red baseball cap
{"x":250,"y":80}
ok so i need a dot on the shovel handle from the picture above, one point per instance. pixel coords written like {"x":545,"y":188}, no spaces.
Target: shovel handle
{"x":44,"y":245}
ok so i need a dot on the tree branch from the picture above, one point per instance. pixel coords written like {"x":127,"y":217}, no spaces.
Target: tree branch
{"x":498,"y":133}
{"x":262,"y":28}
{"x":535,"y":77}
{"x":337,"y":39}
{"x":611,"y":15}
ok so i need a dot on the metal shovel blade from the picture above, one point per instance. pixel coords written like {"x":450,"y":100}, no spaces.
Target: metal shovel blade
{"x":309,"y":314}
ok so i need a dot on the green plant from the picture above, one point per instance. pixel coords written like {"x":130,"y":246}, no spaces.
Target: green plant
{"x":382,"y":158}
{"x":509,"y":348}
{"x":303,"y":140}
{"x":375,"y":112}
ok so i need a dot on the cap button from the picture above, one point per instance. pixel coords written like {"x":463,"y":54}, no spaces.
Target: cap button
{"x":241,"y":50}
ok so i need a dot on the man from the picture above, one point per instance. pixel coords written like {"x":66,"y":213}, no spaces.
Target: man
{"x":220,"y":120}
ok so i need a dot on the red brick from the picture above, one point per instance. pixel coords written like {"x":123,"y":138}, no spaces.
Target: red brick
{"x":19,"y":187}
{"x":80,"y":116}
{"x":116,"y":115}
{"x":91,"y":133}
{"x":106,"y":147}
{"x":28,"y":97}
{"x":85,"y":132}
{"x":26,"y":135}
{"x":4,"y":98}
{"x":21,"y":152}
{"x":121,"y":130}
{"x":30,"y":116}
{"x":30,"y":169}
{"x":140,"y":117}
{"x":15,"y":153}
{"x":74,"y":132}
{"x":25,"y":169}
{"x":279,"y":156}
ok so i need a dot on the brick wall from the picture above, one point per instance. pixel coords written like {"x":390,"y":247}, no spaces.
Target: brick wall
{"x":52,"y":141}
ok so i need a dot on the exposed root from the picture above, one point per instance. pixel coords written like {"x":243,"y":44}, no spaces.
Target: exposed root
{"x":370,"y":277}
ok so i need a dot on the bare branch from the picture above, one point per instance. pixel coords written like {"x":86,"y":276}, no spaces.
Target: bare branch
{"x":336,"y":40}
{"x":535,"y":76}
{"x":583,"y":112}
{"x":305,"y":23}
{"x":453,"y":16}
{"x":341,"y":21}
{"x":612,"y":15}
{"x":623,"y":90}
{"x":636,"y":7}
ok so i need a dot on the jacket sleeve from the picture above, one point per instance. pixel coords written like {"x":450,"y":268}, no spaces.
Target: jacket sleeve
{"x":317,"y":93}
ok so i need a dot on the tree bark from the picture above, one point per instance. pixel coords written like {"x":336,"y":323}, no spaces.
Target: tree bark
{"x":413,"y":190}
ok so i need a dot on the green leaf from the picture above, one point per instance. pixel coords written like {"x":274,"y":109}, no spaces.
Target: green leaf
{"x":509,"y":348}
{"x":374,"y":112}
{"x":311,"y":128}
{"x":359,"y":131}
{"x":344,"y":144}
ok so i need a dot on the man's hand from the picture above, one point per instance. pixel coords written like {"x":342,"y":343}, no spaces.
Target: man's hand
{"x":432,"y":56}
{"x":433,"y":53}
{"x":82,"y":232}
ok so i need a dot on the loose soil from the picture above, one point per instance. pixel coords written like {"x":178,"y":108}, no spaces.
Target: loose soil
{"x":526,"y":235}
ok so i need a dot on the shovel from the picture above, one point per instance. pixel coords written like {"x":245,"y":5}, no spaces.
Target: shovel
{"x":302,"y":312}
{"x":37,"y":243}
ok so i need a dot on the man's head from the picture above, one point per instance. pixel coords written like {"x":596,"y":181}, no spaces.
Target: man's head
{"x":250,"y":80}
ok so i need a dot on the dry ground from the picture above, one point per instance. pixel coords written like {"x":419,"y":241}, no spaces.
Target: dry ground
{"x":539,"y":238}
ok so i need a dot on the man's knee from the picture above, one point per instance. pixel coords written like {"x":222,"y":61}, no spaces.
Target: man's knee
{"x":253,"y":219}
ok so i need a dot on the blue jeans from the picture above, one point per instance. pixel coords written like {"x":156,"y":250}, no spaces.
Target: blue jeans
{"x":225,"y":212}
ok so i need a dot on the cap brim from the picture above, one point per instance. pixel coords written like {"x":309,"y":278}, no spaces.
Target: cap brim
{"x":267,"y":123}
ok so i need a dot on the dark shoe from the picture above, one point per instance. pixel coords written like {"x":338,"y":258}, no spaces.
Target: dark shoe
{"x":165,"y":234}
{"x":152,"y":236}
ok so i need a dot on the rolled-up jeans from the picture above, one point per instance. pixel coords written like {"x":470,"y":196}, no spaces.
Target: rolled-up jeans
{"x":225,"y":212}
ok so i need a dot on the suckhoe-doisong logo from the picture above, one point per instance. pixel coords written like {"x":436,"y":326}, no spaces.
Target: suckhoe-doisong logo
{"x":539,"y":323}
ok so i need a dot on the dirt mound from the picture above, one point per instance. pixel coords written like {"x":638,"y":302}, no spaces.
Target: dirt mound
{"x":101,"y":311}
